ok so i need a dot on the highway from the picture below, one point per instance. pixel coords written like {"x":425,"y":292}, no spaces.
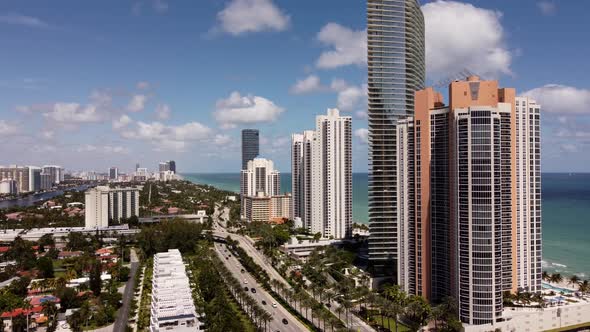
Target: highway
{"x":356,"y":323}
{"x":278,"y":313}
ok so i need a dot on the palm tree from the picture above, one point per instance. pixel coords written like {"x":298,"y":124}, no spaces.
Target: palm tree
{"x":545,"y":276}
{"x":27,"y":307}
{"x":556,"y":278}
{"x":584,"y":286}
{"x":574,"y":280}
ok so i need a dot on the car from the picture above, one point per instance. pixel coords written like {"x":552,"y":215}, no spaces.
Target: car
{"x":226,"y":258}
{"x":242,"y":270}
{"x":245,"y":281}
{"x":253,"y":290}
{"x":285,"y":321}
{"x":246,"y":288}
{"x":263,"y":302}
{"x":274,"y":304}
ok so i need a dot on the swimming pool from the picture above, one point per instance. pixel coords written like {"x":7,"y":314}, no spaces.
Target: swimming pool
{"x":555,"y":288}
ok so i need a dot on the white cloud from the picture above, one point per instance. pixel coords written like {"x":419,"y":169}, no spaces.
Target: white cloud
{"x":568,"y":147}
{"x":48,"y":134}
{"x":143,"y":85}
{"x":17,"y":19}
{"x":73,"y":113}
{"x":164,"y":137}
{"x":122,"y":122}
{"x":362,"y":134}
{"x":137,"y":103}
{"x":106,"y":149}
{"x":349,"y":97}
{"x":243,"y":16}
{"x":163,"y":111}
{"x":547,"y":7}
{"x":309,"y":84}
{"x":160,"y":6}
{"x":361,"y":115}
{"x":238,"y":109}
{"x":222,"y":140}
{"x":8,"y":129}
{"x":461,"y":36}
{"x":349,"y":47}
{"x":561,"y":99}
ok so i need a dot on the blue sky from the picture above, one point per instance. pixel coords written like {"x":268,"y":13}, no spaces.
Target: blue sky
{"x":110,"y":83}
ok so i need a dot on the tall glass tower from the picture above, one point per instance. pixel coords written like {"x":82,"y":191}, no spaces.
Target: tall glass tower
{"x":250,"y":146}
{"x":395,"y":38}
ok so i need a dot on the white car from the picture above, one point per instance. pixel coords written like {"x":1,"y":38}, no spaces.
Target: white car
{"x":274,"y":304}
{"x":245,"y":281}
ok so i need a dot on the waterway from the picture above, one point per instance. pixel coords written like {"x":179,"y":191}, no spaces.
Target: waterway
{"x":30,"y":200}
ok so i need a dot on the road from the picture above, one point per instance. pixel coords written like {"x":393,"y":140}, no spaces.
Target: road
{"x":356,"y":323}
{"x":123,"y":316}
{"x":279,"y":313}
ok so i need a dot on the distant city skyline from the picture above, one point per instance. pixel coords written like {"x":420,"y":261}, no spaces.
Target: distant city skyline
{"x":160,"y":97}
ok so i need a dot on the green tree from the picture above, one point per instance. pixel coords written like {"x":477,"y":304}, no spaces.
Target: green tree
{"x":46,"y":241}
{"x":95,"y":281}
{"x":45,"y":266}
{"x":416,"y":313}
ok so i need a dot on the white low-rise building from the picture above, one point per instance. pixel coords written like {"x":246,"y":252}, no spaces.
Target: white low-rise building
{"x":564,"y":316}
{"x":300,"y":249}
{"x":172,"y":307}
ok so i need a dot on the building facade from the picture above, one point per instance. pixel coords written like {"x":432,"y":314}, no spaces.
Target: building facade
{"x":96,"y":208}
{"x":19,"y":174}
{"x":34,"y":178}
{"x":528,"y":196}
{"x":321,"y":167}
{"x":396,"y":69}
{"x":263,"y":208}
{"x":56,"y":173}
{"x":172,"y":306}
{"x":259,"y":179}
{"x":469,"y":227}
{"x":113,"y":173}
{"x":104,"y":204}
{"x":250,"y":145}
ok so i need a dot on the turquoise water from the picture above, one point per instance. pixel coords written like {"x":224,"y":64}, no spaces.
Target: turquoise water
{"x":566,"y":214}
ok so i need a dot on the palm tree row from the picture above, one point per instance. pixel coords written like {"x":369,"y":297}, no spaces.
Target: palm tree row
{"x":307,"y":305}
{"x":574,"y":280}
{"x":259,"y":316}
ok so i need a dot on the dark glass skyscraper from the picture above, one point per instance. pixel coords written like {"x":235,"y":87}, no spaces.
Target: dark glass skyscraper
{"x":250,"y":146}
{"x":396,"y":69}
{"x":172,"y":165}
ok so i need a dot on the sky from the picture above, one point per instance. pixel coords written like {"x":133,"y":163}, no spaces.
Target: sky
{"x":94,"y":84}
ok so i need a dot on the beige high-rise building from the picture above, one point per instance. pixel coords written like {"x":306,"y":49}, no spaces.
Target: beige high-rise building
{"x":259,"y":179}
{"x":104,"y":205}
{"x":469,"y":197}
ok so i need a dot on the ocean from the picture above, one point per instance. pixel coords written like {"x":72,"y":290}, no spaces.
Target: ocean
{"x":565,"y":206}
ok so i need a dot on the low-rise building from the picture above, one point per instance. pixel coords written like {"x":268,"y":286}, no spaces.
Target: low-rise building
{"x":172,"y":307}
{"x":266,"y":208}
{"x":300,"y":249}
{"x":199,"y":217}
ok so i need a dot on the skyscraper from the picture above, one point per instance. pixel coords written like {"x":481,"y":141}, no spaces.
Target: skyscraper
{"x":250,"y":146}
{"x":34,"y":178}
{"x":321,"y":168}
{"x":469,"y":189}
{"x":172,"y":165}
{"x":104,"y":204}
{"x":528,"y":196}
{"x":259,"y":179}
{"x":396,"y":69}
{"x":56,"y":173}
{"x":113,"y":173}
